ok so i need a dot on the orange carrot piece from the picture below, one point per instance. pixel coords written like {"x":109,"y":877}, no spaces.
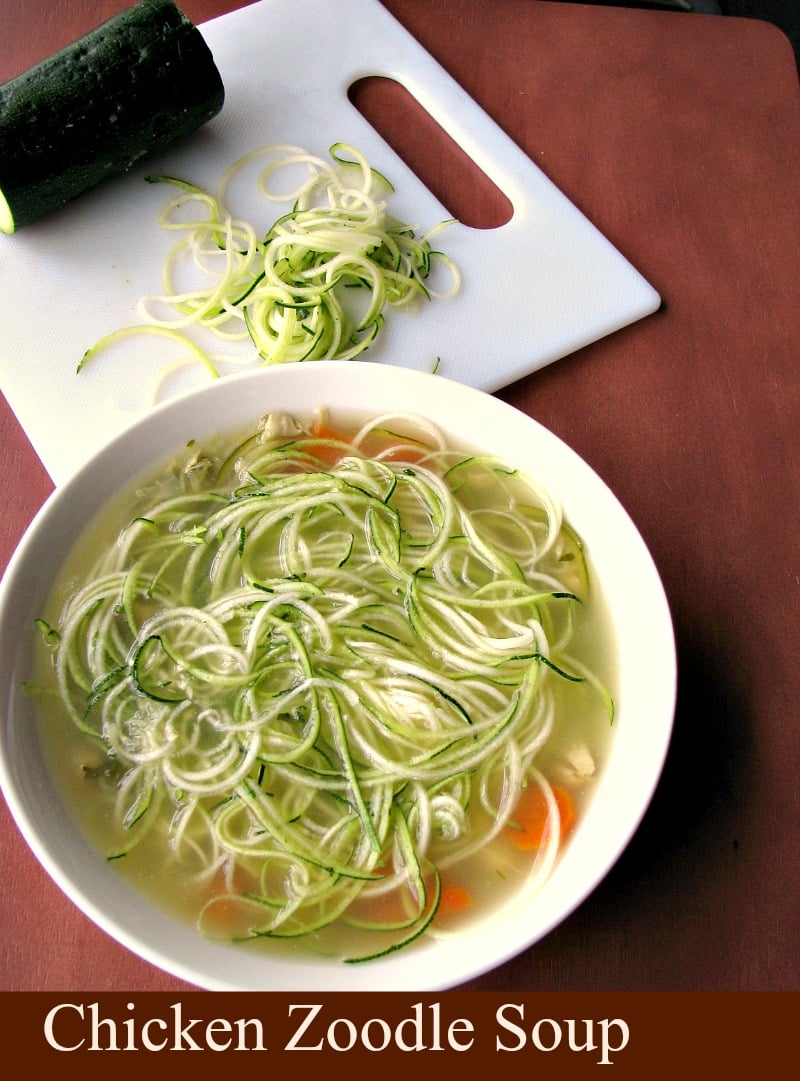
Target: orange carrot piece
{"x":390,"y":447}
{"x":324,"y":431}
{"x":530,"y":826}
{"x":454,"y":899}
{"x":223,"y":915}
{"x":332,"y":453}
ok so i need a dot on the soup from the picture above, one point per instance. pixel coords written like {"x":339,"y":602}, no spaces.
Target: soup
{"x":339,"y":686}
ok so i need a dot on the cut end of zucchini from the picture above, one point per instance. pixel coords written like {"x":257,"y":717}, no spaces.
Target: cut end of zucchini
{"x":6,"y":217}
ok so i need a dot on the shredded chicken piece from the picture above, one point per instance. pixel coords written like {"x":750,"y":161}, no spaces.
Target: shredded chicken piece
{"x":275,"y":425}
{"x":577,"y":764}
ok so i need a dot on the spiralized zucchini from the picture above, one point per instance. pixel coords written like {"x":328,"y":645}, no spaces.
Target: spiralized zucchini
{"x":324,"y":669}
{"x":315,"y":286}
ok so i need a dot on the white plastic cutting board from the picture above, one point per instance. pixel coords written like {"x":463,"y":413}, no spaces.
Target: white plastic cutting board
{"x":540,"y":287}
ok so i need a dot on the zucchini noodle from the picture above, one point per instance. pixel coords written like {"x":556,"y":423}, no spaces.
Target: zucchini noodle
{"x":321,"y":669}
{"x":315,"y":286}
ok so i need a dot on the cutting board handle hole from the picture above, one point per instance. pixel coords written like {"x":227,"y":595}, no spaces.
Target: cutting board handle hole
{"x":446,"y":170}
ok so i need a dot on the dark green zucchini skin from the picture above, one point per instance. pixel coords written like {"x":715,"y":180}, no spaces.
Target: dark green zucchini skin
{"x":128,"y":88}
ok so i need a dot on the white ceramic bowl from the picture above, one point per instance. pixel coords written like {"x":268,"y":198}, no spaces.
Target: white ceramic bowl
{"x":642,"y":630}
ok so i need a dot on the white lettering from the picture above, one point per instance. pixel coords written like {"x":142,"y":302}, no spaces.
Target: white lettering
{"x":415,"y":1023}
{"x":422,"y":1030}
{"x":181,"y":1032}
{"x":49,"y":1023}
{"x":385,"y":1034}
{"x":538,"y":1029}
{"x":99,"y":1026}
{"x":147,"y":1043}
{"x":572,"y":1036}
{"x":71,"y":1026}
{"x":242,"y":1024}
{"x":218,"y":1024}
{"x":294,"y":1043}
{"x":547,"y":1034}
{"x":461,"y":1024}
{"x":509,"y":1026}
{"x":624,"y":1037}
{"x":349,"y":1028}
{"x":435,"y":1040}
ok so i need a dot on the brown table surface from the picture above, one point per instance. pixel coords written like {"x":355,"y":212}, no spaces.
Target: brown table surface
{"x":679,"y":136}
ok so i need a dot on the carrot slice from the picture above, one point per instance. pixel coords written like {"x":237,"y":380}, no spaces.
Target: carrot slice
{"x":324,"y":431}
{"x":390,"y":447}
{"x":530,"y":825}
{"x":333,"y":446}
{"x":454,"y":899}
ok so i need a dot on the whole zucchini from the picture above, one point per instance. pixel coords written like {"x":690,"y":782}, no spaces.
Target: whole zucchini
{"x":128,"y":88}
